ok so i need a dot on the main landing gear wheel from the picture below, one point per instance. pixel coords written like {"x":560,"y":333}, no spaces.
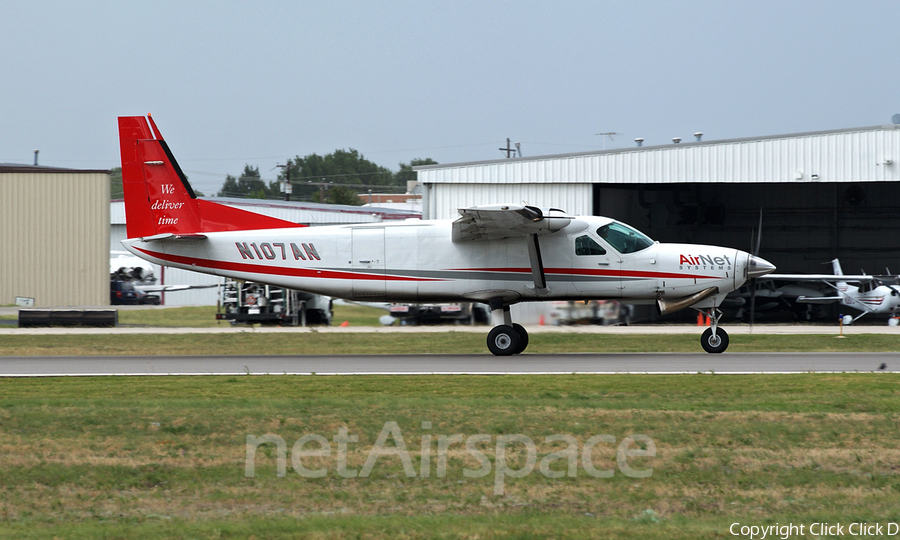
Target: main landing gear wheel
{"x":714,"y":343}
{"x":523,"y":337}
{"x":505,"y":340}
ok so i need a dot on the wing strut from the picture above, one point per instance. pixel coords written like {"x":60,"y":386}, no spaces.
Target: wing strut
{"x":537,"y":266}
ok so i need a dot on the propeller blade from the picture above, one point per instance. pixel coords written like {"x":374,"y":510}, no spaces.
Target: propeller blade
{"x":753,"y":282}
{"x":752,"y":302}
{"x":758,"y":234}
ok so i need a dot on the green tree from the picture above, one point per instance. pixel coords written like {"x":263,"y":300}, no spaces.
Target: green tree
{"x":115,"y":184}
{"x":345,"y":169}
{"x":336,"y":178}
{"x":406,"y":172}
{"x":248,"y":185}
{"x":340,"y":195}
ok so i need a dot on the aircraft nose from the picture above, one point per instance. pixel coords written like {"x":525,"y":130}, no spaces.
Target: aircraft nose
{"x":757,"y":267}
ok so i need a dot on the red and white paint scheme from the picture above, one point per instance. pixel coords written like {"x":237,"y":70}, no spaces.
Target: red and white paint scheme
{"x":497,"y":254}
{"x":878,"y":295}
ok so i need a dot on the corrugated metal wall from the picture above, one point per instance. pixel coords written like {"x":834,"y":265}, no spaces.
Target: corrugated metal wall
{"x":54,"y":228}
{"x":858,"y":155}
{"x":442,"y":202}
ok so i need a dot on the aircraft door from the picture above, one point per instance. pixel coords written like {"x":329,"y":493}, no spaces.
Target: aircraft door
{"x":367,"y":246}
{"x":595,"y":268}
{"x":639,"y":275}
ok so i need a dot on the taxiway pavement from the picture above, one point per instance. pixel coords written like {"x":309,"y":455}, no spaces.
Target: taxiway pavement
{"x":475,"y":364}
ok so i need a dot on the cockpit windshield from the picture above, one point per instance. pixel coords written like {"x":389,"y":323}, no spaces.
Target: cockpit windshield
{"x":623,"y":238}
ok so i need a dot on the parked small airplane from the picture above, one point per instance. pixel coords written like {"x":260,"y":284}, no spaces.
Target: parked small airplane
{"x":498,"y":254}
{"x":873,"y":294}
{"x":123,"y":266}
{"x":775,"y":299}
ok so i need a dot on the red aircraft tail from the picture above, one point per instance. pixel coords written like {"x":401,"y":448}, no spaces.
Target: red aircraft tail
{"x":158,"y":197}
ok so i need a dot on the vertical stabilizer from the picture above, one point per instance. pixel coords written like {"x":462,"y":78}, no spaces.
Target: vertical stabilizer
{"x":836,"y":267}
{"x":158,"y":197}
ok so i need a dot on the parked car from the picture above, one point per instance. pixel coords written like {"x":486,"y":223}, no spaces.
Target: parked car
{"x":122,"y":293}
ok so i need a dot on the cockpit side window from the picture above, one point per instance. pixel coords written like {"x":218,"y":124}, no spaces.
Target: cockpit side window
{"x":585,"y":246}
{"x":623,"y":238}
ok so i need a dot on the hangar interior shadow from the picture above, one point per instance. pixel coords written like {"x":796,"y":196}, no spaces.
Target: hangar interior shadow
{"x":804,"y":227}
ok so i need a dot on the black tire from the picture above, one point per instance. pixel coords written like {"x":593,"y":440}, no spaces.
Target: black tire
{"x":523,"y":337}
{"x":714,"y":344}
{"x":503,"y":340}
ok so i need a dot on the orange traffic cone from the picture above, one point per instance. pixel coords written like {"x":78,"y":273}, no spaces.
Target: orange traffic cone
{"x":699,"y":319}
{"x":541,"y":321}
{"x":708,"y":323}
{"x":345,"y":324}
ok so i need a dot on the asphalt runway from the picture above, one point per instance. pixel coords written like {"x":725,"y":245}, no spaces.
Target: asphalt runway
{"x":634,"y":363}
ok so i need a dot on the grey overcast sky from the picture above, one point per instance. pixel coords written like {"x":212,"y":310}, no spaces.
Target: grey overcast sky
{"x":235,"y":83}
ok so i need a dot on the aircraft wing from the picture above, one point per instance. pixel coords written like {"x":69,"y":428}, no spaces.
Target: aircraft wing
{"x":170,"y":288}
{"x":818,"y":299}
{"x":496,"y":222}
{"x":817,"y":277}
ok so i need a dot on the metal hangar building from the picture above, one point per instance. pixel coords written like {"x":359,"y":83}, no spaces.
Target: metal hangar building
{"x":55,"y":225}
{"x":821,"y":194}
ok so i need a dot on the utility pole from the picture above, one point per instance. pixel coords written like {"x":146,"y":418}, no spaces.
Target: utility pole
{"x":509,"y":150}
{"x":286,"y":185}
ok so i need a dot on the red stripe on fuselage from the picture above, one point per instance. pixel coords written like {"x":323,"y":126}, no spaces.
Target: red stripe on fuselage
{"x":333,"y":274}
{"x":593,"y":272}
{"x":276,"y":270}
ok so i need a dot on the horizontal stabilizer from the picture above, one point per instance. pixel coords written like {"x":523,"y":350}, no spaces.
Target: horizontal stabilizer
{"x":171,"y":237}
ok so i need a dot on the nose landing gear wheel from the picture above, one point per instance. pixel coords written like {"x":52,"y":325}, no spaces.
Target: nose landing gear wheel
{"x":503,"y":340}
{"x":714,"y":343}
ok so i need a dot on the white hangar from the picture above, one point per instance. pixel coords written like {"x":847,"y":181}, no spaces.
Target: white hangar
{"x":821,"y":194}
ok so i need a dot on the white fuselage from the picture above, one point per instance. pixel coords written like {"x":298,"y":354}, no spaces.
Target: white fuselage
{"x":417,"y":261}
{"x":879,"y":299}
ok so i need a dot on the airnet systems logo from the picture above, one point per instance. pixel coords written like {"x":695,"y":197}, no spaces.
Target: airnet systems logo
{"x":390,"y":445}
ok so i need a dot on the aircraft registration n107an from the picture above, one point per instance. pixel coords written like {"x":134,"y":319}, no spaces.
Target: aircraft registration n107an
{"x":496,"y":254}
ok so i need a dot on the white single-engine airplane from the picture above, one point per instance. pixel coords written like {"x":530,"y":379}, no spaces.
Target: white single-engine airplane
{"x":873,"y":294}
{"x":499,"y":255}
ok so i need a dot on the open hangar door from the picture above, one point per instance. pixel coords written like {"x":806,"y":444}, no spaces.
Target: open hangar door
{"x":805,"y":225}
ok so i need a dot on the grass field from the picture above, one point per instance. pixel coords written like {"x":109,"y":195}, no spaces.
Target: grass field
{"x":577,"y":456}
{"x":167,"y":457}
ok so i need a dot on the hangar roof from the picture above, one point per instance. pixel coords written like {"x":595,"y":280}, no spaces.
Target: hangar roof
{"x":17,"y":168}
{"x":856,"y":154}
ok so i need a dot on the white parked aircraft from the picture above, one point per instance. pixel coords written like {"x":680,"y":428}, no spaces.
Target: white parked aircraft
{"x":498,"y":254}
{"x":872,"y":294}
{"x":126,"y":267}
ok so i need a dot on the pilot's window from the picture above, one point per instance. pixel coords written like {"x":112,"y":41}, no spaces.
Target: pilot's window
{"x":623,"y":238}
{"x":585,"y":246}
